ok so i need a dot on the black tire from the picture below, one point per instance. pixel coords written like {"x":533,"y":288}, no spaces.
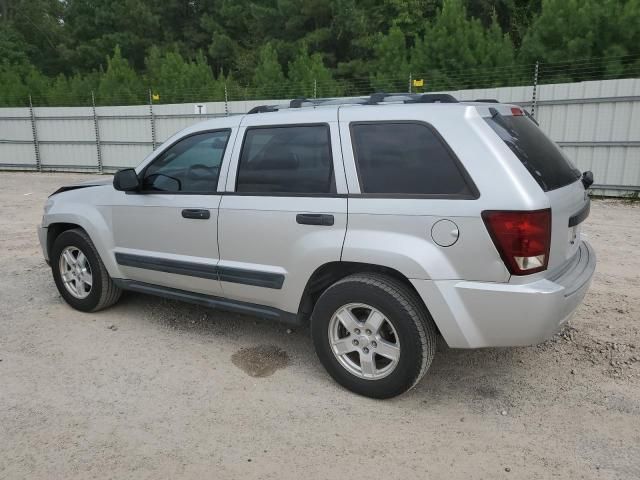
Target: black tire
{"x":104,"y":292}
{"x":404,"y":309}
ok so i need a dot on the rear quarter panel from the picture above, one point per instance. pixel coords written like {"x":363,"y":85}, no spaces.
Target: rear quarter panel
{"x":395,"y":232}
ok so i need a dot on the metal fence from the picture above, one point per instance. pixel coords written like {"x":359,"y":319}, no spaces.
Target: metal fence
{"x":597,"y":123}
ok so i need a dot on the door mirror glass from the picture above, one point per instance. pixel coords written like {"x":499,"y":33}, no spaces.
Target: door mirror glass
{"x":126,"y":180}
{"x":162,"y":183}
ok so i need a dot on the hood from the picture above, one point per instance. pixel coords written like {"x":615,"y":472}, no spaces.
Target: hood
{"x":87,"y":183}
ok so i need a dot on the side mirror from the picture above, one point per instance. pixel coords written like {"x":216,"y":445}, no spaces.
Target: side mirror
{"x":126,"y":180}
{"x":587,"y":179}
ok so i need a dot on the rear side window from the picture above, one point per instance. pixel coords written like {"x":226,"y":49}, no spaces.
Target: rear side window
{"x":542,"y":157}
{"x":407,"y":158}
{"x":294,"y":159}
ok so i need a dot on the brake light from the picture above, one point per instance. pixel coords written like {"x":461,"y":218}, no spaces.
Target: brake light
{"x":516,"y":112}
{"x":523,"y":239}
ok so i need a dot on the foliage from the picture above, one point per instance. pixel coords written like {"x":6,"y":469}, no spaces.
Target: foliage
{"x":457,"y":51}
{"x":59,"y":51}
{"x":572,"y":30}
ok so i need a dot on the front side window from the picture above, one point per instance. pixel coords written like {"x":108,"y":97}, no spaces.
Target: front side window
{"x":190,"y":166}
{"x":406,"y":158}
{"x":281,"y":160}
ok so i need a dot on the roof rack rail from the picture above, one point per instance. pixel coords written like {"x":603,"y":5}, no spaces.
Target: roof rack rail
{"x":373,"y":99}
{"x":377,"y":97}
{"x":264,"y":109}
{"x":434,"y":98}
{"x":297,"y":102}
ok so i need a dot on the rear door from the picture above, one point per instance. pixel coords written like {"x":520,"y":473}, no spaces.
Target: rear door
{"x":552,"y":170}
{"x":284,"y":212}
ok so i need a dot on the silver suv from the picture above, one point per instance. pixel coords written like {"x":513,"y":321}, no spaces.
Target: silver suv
{"x":381,"y":222}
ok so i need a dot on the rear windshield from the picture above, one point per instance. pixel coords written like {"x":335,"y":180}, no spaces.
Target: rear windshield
{"x":544,"y":160}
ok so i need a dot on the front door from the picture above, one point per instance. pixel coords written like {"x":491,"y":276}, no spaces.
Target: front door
{"x":284,"y":212}
{"x":166,"y":234}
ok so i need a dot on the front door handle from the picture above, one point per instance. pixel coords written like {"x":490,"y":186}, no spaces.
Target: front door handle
{"x":314,"y":219}
{"x":196,"y":213}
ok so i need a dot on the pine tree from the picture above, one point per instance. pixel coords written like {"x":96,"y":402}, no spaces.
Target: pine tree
{"x":390,"y":67}
{"x":268,"y":79}
{"x":574,"y":30}
{"x":120,"y":85}
{"x":308,"y":76}
{"x":458,"y":52}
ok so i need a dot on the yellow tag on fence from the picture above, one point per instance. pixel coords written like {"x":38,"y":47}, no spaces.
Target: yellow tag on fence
{"x":418,"y":83}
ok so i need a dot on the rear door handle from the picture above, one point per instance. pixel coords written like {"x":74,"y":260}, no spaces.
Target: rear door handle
{"x":314,"y":219}
{"x":196,"y":213}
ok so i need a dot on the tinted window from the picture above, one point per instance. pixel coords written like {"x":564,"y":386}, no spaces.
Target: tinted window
{"x":544,"y":160}
{"x":191,"y":165}
{"x":286,"y":160}
{"x":405,"y":158}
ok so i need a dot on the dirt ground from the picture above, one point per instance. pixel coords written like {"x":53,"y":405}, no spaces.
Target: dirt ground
{"x":158,"y":389}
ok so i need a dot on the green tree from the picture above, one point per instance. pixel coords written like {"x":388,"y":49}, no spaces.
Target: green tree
{"x":120,"y":85}
{"x":570,"y":31}
{"x":36,"y":30}
{"x":308,"y":76}
{"x":93,"y":28}
{"x":178,"y":80}
{"x":458,"y":52}
{"x":390,"y":67}
{"x":14,"y":92}
{"x":268,"y":79}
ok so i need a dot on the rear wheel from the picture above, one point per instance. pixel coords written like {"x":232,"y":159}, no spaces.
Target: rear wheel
{"x":373,"y":335}
{"x":81,"y":277}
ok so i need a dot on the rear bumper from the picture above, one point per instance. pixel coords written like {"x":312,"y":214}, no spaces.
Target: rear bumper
{"x":481,"y":314}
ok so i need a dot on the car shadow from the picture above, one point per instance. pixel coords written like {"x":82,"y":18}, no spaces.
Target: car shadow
{"x":485,"y":379}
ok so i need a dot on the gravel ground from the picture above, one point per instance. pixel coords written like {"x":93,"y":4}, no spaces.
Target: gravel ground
{"x":158,"y":389}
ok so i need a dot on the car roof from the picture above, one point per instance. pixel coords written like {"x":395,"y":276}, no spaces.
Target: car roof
{"x":326,"y":110}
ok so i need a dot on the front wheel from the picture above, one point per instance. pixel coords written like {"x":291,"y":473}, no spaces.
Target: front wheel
{"x":81,"y":277}
{"x":373,"y":335}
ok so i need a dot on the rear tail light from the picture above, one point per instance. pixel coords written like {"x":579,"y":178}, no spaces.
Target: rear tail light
{"x":522,"y":238}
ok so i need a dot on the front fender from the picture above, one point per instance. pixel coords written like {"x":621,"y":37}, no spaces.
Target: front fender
{"x":74,"y":207}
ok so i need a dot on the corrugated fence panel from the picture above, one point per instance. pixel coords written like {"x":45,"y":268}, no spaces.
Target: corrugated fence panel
{"x":599,"y":130}
{"x":66,"y":138}
{"x":16,"y":139}
{"x":59,"y":156}
{"x":17,"y":155}
{"x":124,"y":124}
{"x":125,"y":135}
{"x":116,"y":156}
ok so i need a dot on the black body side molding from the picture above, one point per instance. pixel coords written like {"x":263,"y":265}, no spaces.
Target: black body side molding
{"x":212,"y":272}
{"x":168,"y":266}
